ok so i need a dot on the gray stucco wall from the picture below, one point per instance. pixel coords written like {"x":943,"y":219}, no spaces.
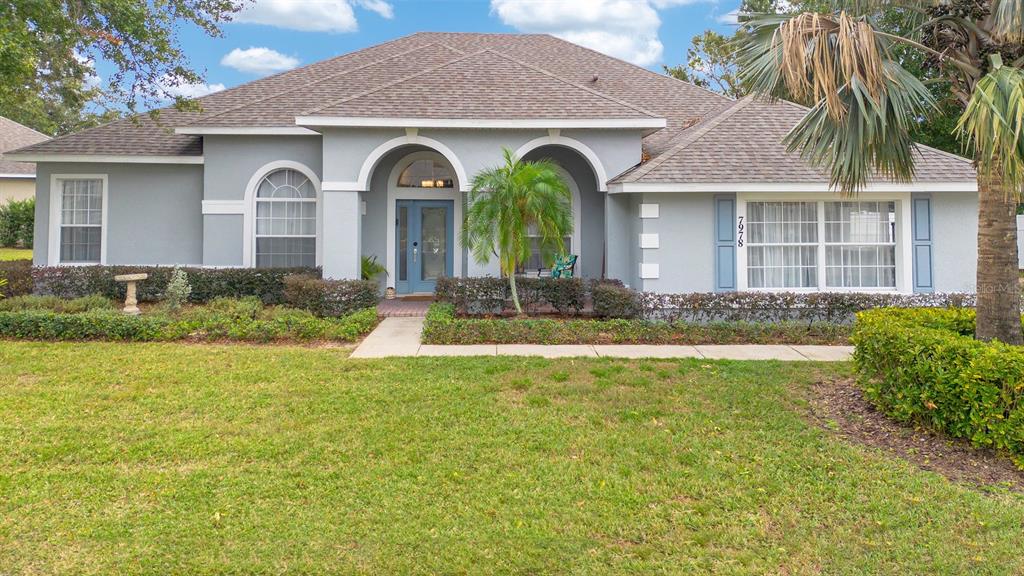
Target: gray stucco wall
{"x":686,"y":252}
{"x":154,"y":212}
{"x":955,"y":242}
{"x":231,"y":161}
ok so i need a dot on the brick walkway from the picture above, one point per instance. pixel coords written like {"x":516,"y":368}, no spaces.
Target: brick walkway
{"x":400,"y":308}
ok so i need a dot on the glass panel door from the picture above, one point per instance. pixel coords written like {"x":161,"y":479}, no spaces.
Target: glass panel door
{"x":433,"y":236}
{"x":424,"y":240}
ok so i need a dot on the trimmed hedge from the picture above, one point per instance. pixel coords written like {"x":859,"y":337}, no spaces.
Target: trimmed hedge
{"x":925,"y":366}
{"x":267,"y":284}
{"x":492,"y":296}
{"x":54,"y":304}
{"x":225,"y":319}
{"x":443,"y":327}
{"x":329,"y":298}
{"x":18,"y":274}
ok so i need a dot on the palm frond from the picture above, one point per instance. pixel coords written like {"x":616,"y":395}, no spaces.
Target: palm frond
{"x":1008,"y":20}
{"x":993,"y":124}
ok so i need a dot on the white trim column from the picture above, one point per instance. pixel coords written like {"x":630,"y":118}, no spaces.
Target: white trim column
{"x":342,"y":234}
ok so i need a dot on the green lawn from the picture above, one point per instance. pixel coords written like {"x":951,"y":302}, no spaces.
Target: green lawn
{"x":15,"y":254}
{"x":185,"y":459}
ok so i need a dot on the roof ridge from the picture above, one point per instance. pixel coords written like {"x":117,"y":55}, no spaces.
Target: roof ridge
{"x":310,"y":111}
{"x":324,"y":79}
{"x":575,"y":85}
{"x":688,"y":137}
{"x":638,"y":67}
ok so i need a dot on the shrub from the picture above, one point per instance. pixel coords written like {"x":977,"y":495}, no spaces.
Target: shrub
{"x":267,"y":284}
{"x":443,"y":327}
{"x":611,"y":301}
{"x":18,"y":274}
{"x":924,"y":366}
{"x":329,"y":298}
{"x":178,"y":290}
{"x":17,"y":221}
{"x":829,"y":307}
{"x":488,"y":295}
{"x":565,"y":295}
{"x":226,"y":319}
{"x":54,"y":304}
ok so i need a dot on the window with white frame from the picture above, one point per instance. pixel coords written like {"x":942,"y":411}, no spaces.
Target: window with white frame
{"x":828,"y":245}
{"x":81,"y":220}
{"x":860,"y":244}
{"x":285,"y":220}
{"x":782,"y":245}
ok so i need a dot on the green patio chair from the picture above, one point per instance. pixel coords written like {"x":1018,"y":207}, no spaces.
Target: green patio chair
{"x":564,"y":266}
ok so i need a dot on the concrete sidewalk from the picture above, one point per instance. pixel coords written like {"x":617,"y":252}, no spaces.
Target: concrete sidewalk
{"x":401,"y":337}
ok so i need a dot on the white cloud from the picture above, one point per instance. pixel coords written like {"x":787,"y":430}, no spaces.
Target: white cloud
{"x":177,"y":88}
{"x":258,"y":60}
{"x":731,"y":17}
{"x":311,"y":15}
{"x":626,"y":29}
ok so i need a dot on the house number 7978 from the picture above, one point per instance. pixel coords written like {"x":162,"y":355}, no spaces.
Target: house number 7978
{"x":739,"y":232}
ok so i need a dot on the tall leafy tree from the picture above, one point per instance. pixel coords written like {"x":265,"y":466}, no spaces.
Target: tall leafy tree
{"x":867,"y":104}
{"x":47,"y":48}
{"x":710,"y":63}
{"x":508,"y":202}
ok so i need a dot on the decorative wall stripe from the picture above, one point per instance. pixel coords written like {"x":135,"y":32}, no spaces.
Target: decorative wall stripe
{"x":649,"y":270}
{"x":650,"y":241}
{"x":649,"y":210}
{"x":223,"y":207}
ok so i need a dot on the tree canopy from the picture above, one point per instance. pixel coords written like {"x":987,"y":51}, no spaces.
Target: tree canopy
{"x":48,"y":49}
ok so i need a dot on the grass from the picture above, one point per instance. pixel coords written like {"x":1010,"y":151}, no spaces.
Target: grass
{"x":184,"y":459}
{"x":15,"y":254}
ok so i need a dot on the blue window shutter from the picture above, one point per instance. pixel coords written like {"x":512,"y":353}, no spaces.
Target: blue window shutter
{"x":725,"y":243}
{"x":921,"y":219}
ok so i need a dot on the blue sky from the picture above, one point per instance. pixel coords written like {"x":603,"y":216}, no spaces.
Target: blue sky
{"x":274,"y":35}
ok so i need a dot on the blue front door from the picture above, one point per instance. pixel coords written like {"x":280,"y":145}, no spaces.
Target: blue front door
{"x":424,"y":241}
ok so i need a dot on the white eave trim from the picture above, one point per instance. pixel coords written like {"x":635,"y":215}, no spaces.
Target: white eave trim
{"x":25,"y":176}
{"x":645,"y":187}
{"x":246,"y":131}
{"x":104,"y":158}
{"x":480,"y":123}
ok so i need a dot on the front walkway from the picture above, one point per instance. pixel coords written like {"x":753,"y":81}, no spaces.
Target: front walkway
{"x":401,"y":337}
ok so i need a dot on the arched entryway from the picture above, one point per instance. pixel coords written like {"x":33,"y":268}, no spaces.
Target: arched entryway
{"x":587,"y":240}
{"x":413,"y":218}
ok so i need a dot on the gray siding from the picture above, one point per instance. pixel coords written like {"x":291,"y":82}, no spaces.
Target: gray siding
{"x":232,"y":160}
{"x":222,"y":235}
{"x":686,"y":230}
{"x":955,"y":241}
{"x":154,"y":212}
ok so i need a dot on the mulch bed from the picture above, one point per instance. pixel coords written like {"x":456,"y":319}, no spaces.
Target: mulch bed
{"x":840,"y":402}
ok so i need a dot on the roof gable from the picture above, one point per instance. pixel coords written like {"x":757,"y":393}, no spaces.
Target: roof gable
{"x":12,"y":137}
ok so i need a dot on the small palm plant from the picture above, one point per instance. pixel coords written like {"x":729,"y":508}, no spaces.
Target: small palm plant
{"x":506,"y":203}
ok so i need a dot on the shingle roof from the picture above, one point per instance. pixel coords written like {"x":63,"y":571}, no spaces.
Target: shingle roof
{"x":743,"y":144}
{"x":708,"y":136}
{"x":14,"y":136}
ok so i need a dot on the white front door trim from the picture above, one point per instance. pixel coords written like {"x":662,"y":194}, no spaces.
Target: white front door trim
{"x":411,"y":138}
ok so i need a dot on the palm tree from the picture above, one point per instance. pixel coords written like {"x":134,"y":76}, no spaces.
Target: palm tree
{"x":507,"y":203}
{"x":865,"y":103}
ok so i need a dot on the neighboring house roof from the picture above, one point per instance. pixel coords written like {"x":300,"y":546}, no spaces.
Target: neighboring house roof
{"x":743,"y":144}
{"x":12,"y":137}
{"x":498,"y":76}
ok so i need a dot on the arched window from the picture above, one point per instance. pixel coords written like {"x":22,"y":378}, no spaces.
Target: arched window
{"x":285,"y":220}
{"x":426,"y":174}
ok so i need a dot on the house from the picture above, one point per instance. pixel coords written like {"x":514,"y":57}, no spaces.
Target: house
{"x":17,"y":179}
{"x":675,"y":188}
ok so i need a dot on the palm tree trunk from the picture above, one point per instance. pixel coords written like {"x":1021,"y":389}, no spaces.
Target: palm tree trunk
{"x":515,"y":294}
{"x":998,"y":275}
